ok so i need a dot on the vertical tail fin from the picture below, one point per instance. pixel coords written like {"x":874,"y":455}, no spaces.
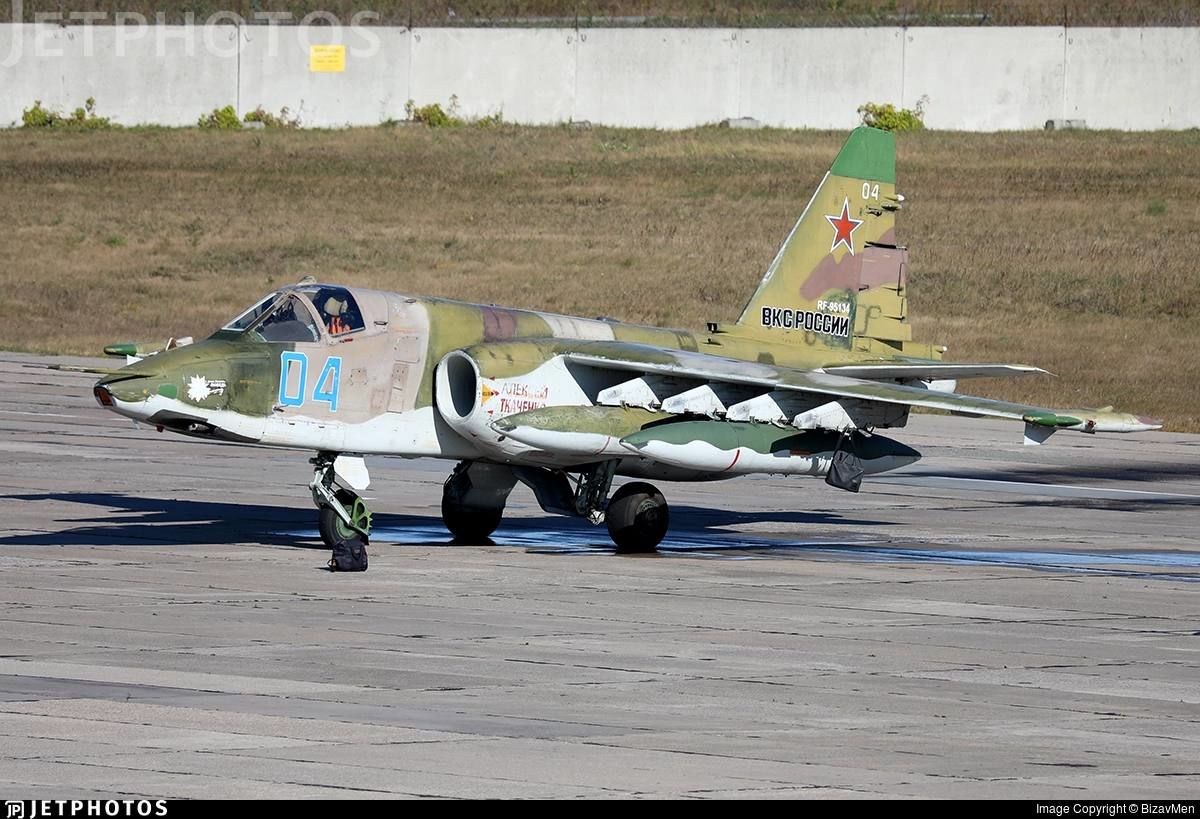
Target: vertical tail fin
{"x":839,"y":274}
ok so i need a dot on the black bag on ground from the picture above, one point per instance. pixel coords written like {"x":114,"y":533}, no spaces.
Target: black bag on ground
{"x":845,"y":468}
{"x":349,"y":556}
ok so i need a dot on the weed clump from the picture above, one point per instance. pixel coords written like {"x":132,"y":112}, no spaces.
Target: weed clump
{"x":888,"y":117}
{"x":83,"y":119}
{"x":434,"y":116}
{"x":221,"y":119}
{"x":283,"y":119}
{"x":490,"y":121}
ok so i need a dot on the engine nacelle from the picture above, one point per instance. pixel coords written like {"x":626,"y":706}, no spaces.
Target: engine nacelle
{"x":458,"y":394}
{"x":470,"y":400}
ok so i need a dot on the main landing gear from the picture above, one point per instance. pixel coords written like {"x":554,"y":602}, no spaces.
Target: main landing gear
{"x":473,"y":499}
{"x":343,"y":515}
{"x":475,"y":494}
{"x":637,"y":518}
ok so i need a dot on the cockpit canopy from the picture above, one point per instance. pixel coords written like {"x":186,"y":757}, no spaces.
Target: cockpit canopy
{"x":300,"y":314}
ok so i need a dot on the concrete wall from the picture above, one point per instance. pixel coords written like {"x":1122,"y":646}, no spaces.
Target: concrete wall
{"x":525,"y":75}
{"x":985,"y":79}
{"x":661,"y":78}
{"x":818,"y":77}
{"x":373,"y":88}
{"x":970,"y":78}
{"x":1149,"y":77}
{"x":164,"y":76}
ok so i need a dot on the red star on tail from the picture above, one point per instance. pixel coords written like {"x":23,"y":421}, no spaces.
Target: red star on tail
{"x":843,"y":228}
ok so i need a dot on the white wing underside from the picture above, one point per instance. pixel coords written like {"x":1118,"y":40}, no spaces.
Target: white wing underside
{"x":694,"y":382}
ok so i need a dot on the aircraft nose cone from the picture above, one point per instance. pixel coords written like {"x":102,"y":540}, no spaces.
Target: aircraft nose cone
{"x":123,"y":388}
{"x":103,"y":396}
{"x":127,"y":390}
{"x":130,"y":387}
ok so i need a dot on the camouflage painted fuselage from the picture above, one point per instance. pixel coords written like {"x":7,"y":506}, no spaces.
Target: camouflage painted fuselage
{"x":233,"y":386}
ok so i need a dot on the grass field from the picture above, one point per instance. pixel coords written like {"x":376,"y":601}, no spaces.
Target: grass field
{"x":1075,"y":251}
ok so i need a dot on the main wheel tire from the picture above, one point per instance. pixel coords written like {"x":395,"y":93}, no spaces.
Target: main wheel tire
{"x":637,"y":518}
{"x":470,"y":524}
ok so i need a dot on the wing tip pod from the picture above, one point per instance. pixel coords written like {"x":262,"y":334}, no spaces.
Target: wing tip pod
{"x":1149,"y":423}
{"x":1121,"y":422}
{"x":142,"y":349}
{"x":1104,"y":420}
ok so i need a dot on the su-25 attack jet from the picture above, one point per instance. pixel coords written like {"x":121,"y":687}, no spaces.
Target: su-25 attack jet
{"x":821,"y":357}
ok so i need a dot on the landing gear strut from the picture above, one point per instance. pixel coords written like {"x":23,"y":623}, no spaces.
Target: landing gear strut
{"x":474,"y":496}
{"x":343,"y":515}
{"x":636,"y":514}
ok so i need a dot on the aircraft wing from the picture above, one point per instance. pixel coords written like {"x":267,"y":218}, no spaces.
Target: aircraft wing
{"x":813,"y":392}
{"x":929,"y":370}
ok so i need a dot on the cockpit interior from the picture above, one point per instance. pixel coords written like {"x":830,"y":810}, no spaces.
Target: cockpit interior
{"x":301,"y":314}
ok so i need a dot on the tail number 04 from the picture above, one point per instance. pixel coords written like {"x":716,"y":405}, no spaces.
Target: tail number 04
{"x":293,"y":380}
{"x":870,"y":191}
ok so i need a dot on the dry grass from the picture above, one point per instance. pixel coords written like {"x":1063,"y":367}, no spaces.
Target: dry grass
{"x":1076,"y":251}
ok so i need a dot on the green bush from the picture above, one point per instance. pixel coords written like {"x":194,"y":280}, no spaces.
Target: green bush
{"x":282,"y":120}
{"x":39,"y":117}
{"x":222,"y":119}
{"x":80,"y":119}
{"x":433,"y":115}
{"x":889,"y":118}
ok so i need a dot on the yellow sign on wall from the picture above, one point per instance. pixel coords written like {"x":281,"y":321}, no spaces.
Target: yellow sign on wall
{"x":327,"y":59}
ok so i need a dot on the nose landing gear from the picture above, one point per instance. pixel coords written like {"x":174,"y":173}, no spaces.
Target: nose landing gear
{"x":343,"y":516}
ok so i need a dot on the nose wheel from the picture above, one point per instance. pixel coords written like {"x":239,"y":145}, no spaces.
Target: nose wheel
{"x":335,"y":530}
{"x":342,"y":517}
